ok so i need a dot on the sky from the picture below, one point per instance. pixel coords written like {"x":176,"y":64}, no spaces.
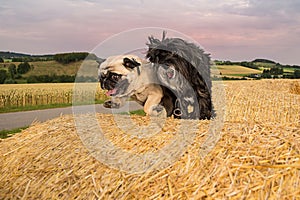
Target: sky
{"x":233,"y":30}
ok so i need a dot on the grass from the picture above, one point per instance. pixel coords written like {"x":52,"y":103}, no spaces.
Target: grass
{"x":42,"y":107}
{"x":134,"y":112}
{"x":36,"y":107}
{"x":289,"y":69}
{"x":8,"y":133}
{"x":264,"y":65}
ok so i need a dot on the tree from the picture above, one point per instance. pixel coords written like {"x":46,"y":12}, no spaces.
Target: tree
{"x":66,"y":58}
{"x":297,"y":73}
{"x":23,"y":68}
{"x":276,"y":70}
{"x":3,"y":76}
{"x":12,"y":70}
{"x":1,"y":60}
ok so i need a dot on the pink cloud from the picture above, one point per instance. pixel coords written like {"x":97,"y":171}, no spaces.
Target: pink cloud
{"x":236,"y":29}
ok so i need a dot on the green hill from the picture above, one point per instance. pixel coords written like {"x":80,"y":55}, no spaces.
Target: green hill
{"x":19,"y":57}
{"x":63,"y":67}
{"x":48,"y":69}
{"x":8,"y":55}
{"x":262,"y":60}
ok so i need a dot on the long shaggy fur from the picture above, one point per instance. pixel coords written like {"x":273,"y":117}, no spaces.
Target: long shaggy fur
{"x":184,"y":72}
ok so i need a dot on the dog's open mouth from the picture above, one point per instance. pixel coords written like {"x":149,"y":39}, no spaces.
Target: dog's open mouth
{"x":112,"y":92}
{"x":119,"y":89}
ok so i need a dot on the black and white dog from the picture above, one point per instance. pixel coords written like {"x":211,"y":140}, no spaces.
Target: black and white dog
{"x":183,"y":70}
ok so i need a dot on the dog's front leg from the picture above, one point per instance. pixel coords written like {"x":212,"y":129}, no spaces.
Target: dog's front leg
{"x":115,"y":102}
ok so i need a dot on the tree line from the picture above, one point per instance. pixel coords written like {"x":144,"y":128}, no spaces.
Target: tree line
{"x":32,"y":59}
{"x":59,"y":79}
{"x":14,"y":72}
{"x":253,"y":65}
{"x":63,"y":58}
{"x":243,"y":63}
{"x":66,"y":58}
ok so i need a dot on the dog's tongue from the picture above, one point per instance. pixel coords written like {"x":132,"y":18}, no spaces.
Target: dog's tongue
{"x":111,"y":92}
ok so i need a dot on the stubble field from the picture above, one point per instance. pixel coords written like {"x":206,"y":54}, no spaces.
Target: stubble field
{"x":256,"y":157}
{"x":233,"y":70}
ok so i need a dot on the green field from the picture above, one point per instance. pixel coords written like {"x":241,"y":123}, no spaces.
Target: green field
{"x":264,"y":64}
{"x":89,"y":68}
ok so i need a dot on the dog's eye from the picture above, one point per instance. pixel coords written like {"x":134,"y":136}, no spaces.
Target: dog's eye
{"x":165,"y":66}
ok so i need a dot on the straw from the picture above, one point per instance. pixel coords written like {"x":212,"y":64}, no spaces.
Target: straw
{"x":257,"y":157}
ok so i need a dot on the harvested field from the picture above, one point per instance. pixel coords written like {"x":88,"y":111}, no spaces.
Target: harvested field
{"x":257,"y":157}
{"x":233,"y":70}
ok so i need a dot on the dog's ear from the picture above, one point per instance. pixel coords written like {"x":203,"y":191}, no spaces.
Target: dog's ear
{"x":130,"y":63}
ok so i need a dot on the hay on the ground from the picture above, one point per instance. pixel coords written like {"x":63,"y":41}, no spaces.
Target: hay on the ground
{"x":257,"y":157}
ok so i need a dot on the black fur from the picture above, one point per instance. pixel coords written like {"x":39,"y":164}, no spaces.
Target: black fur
{"x":184,"y":72}
{"x":131,"y":64}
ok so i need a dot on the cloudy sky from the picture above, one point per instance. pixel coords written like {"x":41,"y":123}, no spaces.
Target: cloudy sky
{"x":231,"y":30}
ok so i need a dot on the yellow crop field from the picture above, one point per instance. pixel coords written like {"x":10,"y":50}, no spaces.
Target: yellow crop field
{"x":22,"y":95}
{"x":232,"y":70}
{"x":257,"y":155}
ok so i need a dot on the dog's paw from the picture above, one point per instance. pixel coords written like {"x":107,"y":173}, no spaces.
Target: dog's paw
{"x":111,"y":104}
{"x":158,"y":111}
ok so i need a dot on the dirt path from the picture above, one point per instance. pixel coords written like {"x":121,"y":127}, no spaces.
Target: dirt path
{"x":13,"y":120}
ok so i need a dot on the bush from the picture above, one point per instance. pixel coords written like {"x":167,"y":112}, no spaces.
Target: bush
{"x":10,"y":81}
{"x":3,"y":76}
{"x":12,"y":69}
{"x":297,"y":73}
{"x":85,"y":79}
{"x":233,"y":78}
{"x":249,"y":65}
{"x":66,"y":58}
{"x":32,"y":79}
{"x":51,"y":79}
{"x":23,"y":68}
